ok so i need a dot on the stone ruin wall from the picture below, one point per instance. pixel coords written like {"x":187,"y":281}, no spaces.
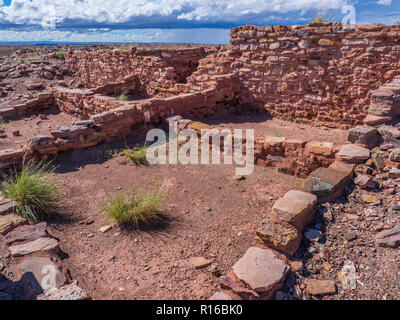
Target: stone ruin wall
{"x":150,"y":73}
{"x":320,"y":73}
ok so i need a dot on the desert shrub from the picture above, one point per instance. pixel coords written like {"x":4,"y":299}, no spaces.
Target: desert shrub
{"x":320,"y":19}
{"x":60,"y":55}
{"x":33,"y":189}
{"x":2,"y":123}
{"x":134,"y":208}
{"x":122,"y":97}
{"x":138,"y":155}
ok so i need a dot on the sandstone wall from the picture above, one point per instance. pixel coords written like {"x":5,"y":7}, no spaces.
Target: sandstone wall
{"x":320,"y":72}
{"x":158,"y":70}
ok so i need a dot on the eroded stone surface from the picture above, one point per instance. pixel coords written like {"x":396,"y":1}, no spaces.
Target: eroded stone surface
{"x":327,"y":184}
{"x":296,"y":207}
{"x":10,"y":222}
{"x":220,"y":296}
{"x":42,"y":244}
{"x":261,"y":269}
{"x":363,"y":135}
{"x":352,"y":153}
{"x":281,"y":236}
{"x":26,"y":233}
{"x":320,"y":287}
{"x":69,"y":292}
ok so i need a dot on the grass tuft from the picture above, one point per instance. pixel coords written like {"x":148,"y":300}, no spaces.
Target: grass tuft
{"x":138,"y":155}
{"x":60,"y":55}
{"x":122,"y":97}
{"x":134,"y":208}
{"x":33,"y":189}
{"x":2,"y":124}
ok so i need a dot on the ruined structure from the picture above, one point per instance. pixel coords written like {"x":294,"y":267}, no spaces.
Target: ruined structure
{"x":321,"y":74}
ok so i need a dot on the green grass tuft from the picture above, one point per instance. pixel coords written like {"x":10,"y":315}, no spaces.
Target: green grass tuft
{"x":60,"y":55}
{"x":2,"y":124}
{"x":138,"y":155}
{"x":134,"y":208}
{"x":122,"y":97}
{"x":33,"y":189}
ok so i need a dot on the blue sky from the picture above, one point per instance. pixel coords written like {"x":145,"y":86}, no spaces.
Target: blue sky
{"x":201,"y":21}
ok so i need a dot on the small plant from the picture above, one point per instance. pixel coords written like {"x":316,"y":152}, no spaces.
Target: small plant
{"x":2,"y":124}
{"x":138,"y":155}
{"x":277,"y":134}
{"x":134,"y":208}
{"x":122,"y":97}
{"x":320,"y":19}
{"x":60,"y":55}
{"x":33,"y":189}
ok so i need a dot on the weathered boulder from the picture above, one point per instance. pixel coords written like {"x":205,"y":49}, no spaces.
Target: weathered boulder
{"x":69,"y":292}
{"x":352,"y":153}
{"x":261,"y":270}
{"x":296,"y":207}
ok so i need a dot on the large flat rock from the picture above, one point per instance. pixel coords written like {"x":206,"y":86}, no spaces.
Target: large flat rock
{"x":326,"y":183}
{"x":41,"y":244}
{"x":296,"y":207}
{"x":7,"y":207}
{"x":261,"y":269}
{"x":26,"y":233}
{"x":281,"y":236}
{"x":39,"y":274}
{"x":352,"y":153}
{"x":10,"y":222}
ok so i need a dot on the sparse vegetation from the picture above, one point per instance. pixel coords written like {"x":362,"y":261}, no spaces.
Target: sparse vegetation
{"x":137,"y":154}
{"x":33,"y":189}
{"x":320,"y":19}
{"x":60,"y":55}
{"x":122,"y":97}
{"x":2,"y":124}
{"x":134,"y":208}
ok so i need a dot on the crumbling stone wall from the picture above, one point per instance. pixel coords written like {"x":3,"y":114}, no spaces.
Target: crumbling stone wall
{"x":157,"y":70}
{"x":321,"y":73}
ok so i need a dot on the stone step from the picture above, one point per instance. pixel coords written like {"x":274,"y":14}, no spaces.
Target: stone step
{"x":389,"y":133}
{"x":384,"y":96}
{"x":278,"y":235}
{"x":365,"y":136}
{"x":374,"y":120}
{"x":296,"y":208}
{"x":326,"y":183}
{"x":262,"y":270}
{"x":41,"y":244}
{"x":343,"y":166}
{"x":352,"y":153}
{"x":381,"y":110}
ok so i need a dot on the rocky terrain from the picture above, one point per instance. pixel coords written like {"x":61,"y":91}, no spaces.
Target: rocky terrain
{"x":318,"y":219}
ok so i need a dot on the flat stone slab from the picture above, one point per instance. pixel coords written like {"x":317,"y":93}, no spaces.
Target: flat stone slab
{"x":342,"y":166}
{"x":69,"y":292}
{"x":296,"y":207}
{"x":261,"y":269}
{"x":321,"y":148}
{"x":42,"y":244}
{"x":363,"y":135}
{"x":7,"y":207}
{"x":10,"y":222}
{"x":326,"y":183}
{"x":39,"y":274}
{"x":320,"y":287}
{"x":388,"y":238}
{"x":373,"y":120}
{"x":280,"y":236}
{"x":26,"y":233}
{"x":352,"y":153}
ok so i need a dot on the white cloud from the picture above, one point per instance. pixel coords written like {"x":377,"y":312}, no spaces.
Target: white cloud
{"x":140,"y":13}
{"x":385,"y":2}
